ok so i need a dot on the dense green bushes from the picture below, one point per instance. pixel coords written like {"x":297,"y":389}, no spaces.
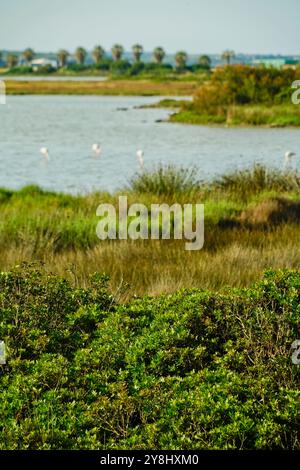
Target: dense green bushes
{"x":240,"y":85}
{"x":122,"y":68}
{"x":20,"y":70}
{"x":240,"y":94}
{"x":192,"y":370}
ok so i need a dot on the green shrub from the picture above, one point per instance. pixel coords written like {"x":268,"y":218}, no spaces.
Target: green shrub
{"x":192,"y":370}
{"x":137,"y":68}
{"x":120,"y":67}
{"x":241,"y":94}
{"x":20,"y":69}
{"x":42,"y":313}
{"x":104,"y":64}
{"x":78,"y":67}
{"x":5,"y":195}
{"x":45,"y":69}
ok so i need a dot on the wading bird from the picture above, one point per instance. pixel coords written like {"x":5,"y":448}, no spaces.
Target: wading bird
{"x":288,"y":158}
{"x":140,"y":157}
{"x":96,"y":149}
{"x":45,"y":152}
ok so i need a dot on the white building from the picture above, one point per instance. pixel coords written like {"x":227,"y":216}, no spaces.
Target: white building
{"x":36,"y":64}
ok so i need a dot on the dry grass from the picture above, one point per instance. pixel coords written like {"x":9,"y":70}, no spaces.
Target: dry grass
{"x":244,"y":236}
{"x":108,"y":87}
{"x":236,"y":258}
{"x":272,"y":211}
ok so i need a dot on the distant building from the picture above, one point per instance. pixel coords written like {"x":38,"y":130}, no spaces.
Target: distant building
{"x":278,"y":63}
{"x":36,"y":64}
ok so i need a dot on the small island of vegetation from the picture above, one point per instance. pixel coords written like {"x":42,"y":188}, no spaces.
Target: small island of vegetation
{"x":243,"y":95}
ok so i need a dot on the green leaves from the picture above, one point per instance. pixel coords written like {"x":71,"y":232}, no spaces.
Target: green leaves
{"x":191,"y":370}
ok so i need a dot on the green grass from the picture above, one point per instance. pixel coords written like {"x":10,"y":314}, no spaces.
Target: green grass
{"x":191,"y":117}
{"x":241,"y":184}
{"x":165,"y":103}
{"x":60,"y":230}
{"x":274,"y":116}
{"x":111,"y":87}
{"x":258,"y":115}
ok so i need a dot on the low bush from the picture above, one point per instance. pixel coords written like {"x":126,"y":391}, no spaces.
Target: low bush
{"x":20,"y":69}
{"x":191,"y":370}
{"x":244,"y":95}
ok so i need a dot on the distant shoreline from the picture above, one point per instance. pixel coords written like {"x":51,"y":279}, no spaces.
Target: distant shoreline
{"x":102,"y":88}
{"x":53,"y":78}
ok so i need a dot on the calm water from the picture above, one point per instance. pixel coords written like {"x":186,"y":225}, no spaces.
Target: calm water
{"x":69,"y":126}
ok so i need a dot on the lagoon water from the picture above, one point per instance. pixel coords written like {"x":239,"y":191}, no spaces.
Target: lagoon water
{"x":69,"y":125}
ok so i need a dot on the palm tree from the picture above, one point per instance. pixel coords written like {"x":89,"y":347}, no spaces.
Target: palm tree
{"x":12,"y":60}
{"x":62,"y":57}
{"x":28,"y":55}
{"x":204,"y":61}
{"x":137,"y":51}
{"x":181,"y":58}
{"x":159,"y":54}
{"x":80,"y":55}
{"x":227,"y":56}
{"x":117,"y":51}
{"x":98,"y":53}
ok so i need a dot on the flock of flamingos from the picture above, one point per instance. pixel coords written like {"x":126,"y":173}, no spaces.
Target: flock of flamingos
{"x":96,"y":151}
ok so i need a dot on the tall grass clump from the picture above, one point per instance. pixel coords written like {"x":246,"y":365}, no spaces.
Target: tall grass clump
{"x":166,"y":180}
{"x":258,"y":115}
{"x":259,"y":178}
{"x":251,"y":224}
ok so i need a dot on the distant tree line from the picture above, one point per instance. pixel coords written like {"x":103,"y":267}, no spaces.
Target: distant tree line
{"x":117,"y":52}
{"x":115,"y":61}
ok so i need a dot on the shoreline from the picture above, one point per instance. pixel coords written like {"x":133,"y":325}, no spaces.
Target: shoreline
{"x":277,"y":117}
{"x":101,"y":88}
{"x":180,"y":115}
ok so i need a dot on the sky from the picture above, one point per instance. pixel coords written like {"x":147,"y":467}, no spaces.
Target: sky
{"x":196,"y":26}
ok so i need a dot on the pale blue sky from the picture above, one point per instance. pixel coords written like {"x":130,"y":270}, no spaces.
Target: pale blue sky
{"x":249,"y":26}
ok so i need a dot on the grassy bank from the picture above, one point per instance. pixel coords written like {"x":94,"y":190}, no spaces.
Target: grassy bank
{"x":259,"y":115}
{"x":108,"y":87}
{"x":251,"y":224}
{"x":280,"y":115}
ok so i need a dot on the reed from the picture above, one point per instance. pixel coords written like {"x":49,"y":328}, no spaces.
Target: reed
{"x":60,"y":231}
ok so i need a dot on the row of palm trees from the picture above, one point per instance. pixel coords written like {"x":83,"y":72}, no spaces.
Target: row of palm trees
{"x":117,"y":52}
